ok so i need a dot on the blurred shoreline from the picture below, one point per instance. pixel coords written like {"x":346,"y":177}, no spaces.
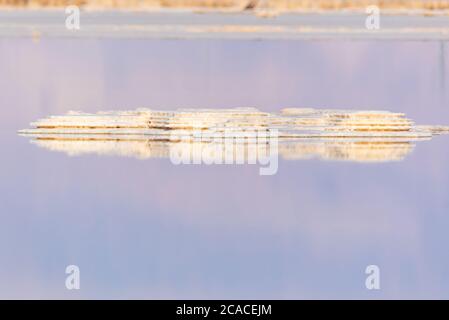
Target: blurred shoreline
{"x":184,"y":24}
{"x":426,"y":7}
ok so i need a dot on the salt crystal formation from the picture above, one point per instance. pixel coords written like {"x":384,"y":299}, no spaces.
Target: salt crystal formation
{"x":363,"y":136}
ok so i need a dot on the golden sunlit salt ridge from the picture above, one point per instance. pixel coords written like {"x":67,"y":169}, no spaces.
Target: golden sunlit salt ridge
{"x":303,"y":133}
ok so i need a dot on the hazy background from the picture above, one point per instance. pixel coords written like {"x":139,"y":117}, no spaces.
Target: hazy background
{"x":284,"y":5}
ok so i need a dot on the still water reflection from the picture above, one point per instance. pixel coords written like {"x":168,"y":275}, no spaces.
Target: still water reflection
{"x":148,"y":229}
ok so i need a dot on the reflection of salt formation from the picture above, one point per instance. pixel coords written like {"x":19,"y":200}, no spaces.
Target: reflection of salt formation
{"x":360,"y":151}
{"x":302,"y":133}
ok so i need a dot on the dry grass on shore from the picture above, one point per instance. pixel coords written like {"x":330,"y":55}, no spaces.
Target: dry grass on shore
{"x":275,"y":4}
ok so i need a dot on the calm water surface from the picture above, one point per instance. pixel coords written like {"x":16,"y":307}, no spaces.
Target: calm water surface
{"x":149,"y":229}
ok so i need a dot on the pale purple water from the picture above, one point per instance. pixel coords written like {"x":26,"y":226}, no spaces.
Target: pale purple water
{"x":149,"y":229}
